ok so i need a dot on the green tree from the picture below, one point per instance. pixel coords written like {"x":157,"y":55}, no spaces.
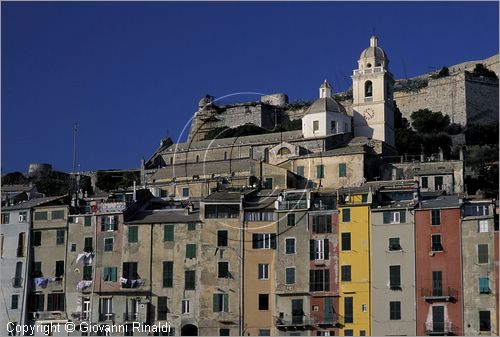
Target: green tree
{"x":481,"y":71}
{"x":14,"y":178}
{"x":427,"y":121}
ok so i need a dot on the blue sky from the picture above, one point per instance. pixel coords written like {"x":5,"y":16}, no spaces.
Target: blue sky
{"x":131,"y":73}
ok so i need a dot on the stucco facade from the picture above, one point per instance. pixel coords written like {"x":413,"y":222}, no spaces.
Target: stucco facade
{"x":477,"y":227}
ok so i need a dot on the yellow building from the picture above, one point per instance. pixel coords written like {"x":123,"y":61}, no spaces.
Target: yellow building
{"x":354,"y":261}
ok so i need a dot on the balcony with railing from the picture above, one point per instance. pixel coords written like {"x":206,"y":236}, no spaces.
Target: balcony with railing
{"x":106,"y":317}
{"x":324,"y":320}
{"x":439,"y":294}
{"x":293,"y":204}
{"x":440,"y":328}
{"x":368,"y":70}
{"x":81,"y":315}
{"x":294,"y":322}
{"x":132,"y":317}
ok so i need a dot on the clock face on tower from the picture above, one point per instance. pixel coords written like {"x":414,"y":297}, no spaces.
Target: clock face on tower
{"x":369,"y":113}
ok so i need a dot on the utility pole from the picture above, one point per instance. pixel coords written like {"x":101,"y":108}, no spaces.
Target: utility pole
{"x":75,"y":130}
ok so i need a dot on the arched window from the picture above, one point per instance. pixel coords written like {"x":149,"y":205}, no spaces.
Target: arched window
{"x":266,"y":155}
{"x":197,"y":158}
{"x":284,"y":151}
{"x":368,"y":65}
{"x":368,"y":89}
{"x":225,"y":155}
{"x":171,"y":160}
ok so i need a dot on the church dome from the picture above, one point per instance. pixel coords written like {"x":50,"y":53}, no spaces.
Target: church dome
{"x":374,"y":54}
{"x":325,"y":104}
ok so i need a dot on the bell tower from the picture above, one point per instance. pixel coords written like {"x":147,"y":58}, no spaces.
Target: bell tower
{"x":372,"y":89}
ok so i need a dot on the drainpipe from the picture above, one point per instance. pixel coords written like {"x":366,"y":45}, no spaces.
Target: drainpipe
{"x":241,"y":267}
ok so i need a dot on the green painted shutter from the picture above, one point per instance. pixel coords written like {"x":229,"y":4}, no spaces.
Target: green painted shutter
{"x":387,"y":217}
{"x":216,"y":303}
{"x":226,"y":302}
{"x":328,"y":302}
{"x":168,"y":233}
{"x":311,"y":250}
{"x":402,"y":216}
{"x":114,"y":274}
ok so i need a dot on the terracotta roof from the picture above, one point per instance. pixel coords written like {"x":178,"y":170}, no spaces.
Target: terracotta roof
{"x":32,"y":203}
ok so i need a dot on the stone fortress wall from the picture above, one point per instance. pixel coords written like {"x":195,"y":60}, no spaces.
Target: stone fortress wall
{"x":462,"y":97}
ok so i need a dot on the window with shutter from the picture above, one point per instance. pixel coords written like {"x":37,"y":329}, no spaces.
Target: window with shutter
{"x":342,"y":170}
{"x":133,"y":234}
{"x":168,"y":274}
{"x":168,"y":233}
{"x":191,"y":251}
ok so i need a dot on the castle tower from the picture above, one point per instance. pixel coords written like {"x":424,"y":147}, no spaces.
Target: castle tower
{"x":325,"y":116}
{"x":372,"y":89}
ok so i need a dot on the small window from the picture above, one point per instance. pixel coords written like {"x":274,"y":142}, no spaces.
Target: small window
{"x":300,"y":171}
{"x":87,"y":221}
{"x":60,"y":237}
{"x":185,"y":192}
{"x":186,"y":306}
{"x":484,"y":320}
{"x":342,"y":170}
{"x":290,"y":275}
{"x":57,"y":215}
{"x":346,"y":215}
{"x":315,"y":126}
{"x":197,"y":158}
{"x":133,"y":234}
{"x":41,"y":216}
{"x":484,"y":285}
{"x":168,"y":274}
{"x":190,"y":280}
{"x":363,"y":308}
{"x":394,"y":217}
{"x":168,"y":233}
{"x":348,"y":332}
{"x":290,"y":246}
{"x":320,"y":171}
{"x":109,"y":274}
{"x":268,"y":183}
{"x":23,"y":216}
{"x":162,"y":308}
{"x":346,"y":273}
{"x":6,"y":218}
{"x":264,"y":241}
{"x":87,"y":273}
{"x":264,"y":332}
{"x":368,"y":89}
{"x":346,"y":241}
{"x":222,"y":238}
{"x":362,"y":332}
{"x":395,"y":277}
{"x":290,"y":219}
{"x":482,"y":253}
{"x":191,"y":251}
{"x":73,"y":247}
{"x":224,"y":332}
{"x":436,"y":243}
{"x":425,"y":182}
{"x":394,"y":244}
{"x":108,"y":244}
{"x":395,"y":310}
{"x":88,"y":244}
{"x":483,"y":226}
{"x":221,"y":302}
{"x":263,"y":271}
{"x":435,"y":217}
{"x":263,"y":301}
{"x":191,"y":226}
{"x":223,"y":270}
{"x":348,"y":311}
{"x":14,"y":303}
{"x":333,"y":127}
